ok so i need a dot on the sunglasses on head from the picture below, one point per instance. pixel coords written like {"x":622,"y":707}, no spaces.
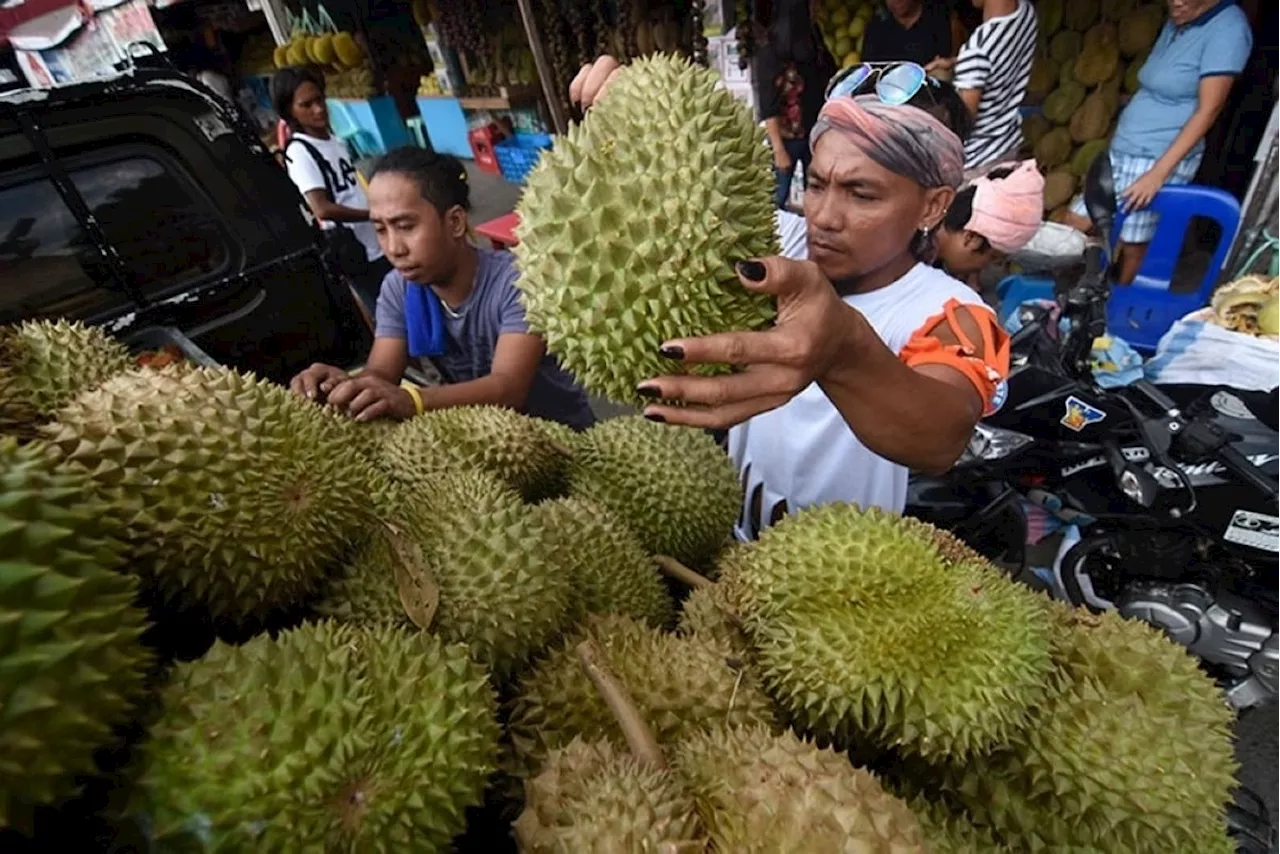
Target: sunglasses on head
{"x":894,"y":83}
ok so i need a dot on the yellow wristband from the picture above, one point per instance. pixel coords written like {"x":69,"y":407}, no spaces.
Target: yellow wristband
{"x":416,"y":394}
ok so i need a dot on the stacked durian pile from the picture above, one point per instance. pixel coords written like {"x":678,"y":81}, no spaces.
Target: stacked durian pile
{"x":476,"y":606}
{"x":843,"y":24}
{"x":1088,"y":57}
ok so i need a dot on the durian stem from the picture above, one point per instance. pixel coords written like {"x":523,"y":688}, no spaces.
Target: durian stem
{"x":673,"y":568}
{"x":640,"y":738}
{"x":562,"y":450}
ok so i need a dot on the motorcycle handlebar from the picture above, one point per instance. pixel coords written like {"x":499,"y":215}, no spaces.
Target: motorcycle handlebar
{"x":1239,"y":464}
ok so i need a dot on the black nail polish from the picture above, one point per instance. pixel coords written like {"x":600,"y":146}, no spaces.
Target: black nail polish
{"x":650,"y":391}
{"x":672,"y":352}
{"x":653,"y":416}
{"x":752,"y":271}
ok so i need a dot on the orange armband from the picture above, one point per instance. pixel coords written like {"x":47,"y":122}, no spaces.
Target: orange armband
{"x":968,"y":339}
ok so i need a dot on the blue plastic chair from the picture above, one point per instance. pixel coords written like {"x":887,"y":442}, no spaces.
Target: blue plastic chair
{"x":1142,"y":312}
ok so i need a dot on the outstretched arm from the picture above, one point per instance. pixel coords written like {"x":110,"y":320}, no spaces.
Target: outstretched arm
{"x":918,"y":409}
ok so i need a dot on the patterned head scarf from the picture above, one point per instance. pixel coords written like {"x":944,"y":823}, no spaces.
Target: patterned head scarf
{"x":905,"y":140}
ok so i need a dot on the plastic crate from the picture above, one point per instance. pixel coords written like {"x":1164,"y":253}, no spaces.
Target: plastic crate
{"x":518,"y":154}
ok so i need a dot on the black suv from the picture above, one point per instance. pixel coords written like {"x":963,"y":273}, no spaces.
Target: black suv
{"x":145,"y":204}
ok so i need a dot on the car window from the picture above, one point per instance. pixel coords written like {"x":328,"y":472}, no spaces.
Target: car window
{"x":48,"y":266}
{"x":165,"y":234}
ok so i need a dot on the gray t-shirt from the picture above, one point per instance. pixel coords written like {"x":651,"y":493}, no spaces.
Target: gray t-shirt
{"x":493,"y":308}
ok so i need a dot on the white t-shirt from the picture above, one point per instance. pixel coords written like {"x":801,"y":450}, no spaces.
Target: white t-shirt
{"x":792,"y":234}
{"x":346,"y":189}
{"x":803,"y":453}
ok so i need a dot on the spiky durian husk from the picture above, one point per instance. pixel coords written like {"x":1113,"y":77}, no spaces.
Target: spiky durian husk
{"x":1131,"y":752}
{"x":612,"y":572}
{"x":760,"y":793}
{"x":864,"y":632}
{"x":953,"y":549}
{"x":951,"y":832}
{"x":501,"y":441}
{"x":713,"y":613}
{"x":503,"y":592}
{"x":566,"y":440}
{"x":671,"y":485}
{"x":72,"y":663}
{"x":45,"y":363}
{"x":327,"y":738}
{"x":631,"y":225}
{"x":678,"y":685}
{"x":236,"y":493}
{"x":591,"y":797}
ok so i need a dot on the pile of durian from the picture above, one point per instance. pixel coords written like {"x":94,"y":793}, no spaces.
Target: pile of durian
{"x":1250,"y":304}
{"x":1088,"y":57}
{"x":477,"y":607}
{"x":843,"y":26}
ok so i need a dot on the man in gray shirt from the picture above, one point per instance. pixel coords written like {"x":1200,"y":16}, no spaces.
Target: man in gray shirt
{"x":447,"y":300}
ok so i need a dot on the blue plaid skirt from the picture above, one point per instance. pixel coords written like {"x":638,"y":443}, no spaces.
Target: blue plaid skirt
{"x":1140,"y":226}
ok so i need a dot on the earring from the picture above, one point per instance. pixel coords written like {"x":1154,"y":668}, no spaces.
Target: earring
{"x":924,"y":232}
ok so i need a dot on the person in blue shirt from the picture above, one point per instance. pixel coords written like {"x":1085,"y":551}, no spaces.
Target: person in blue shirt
{"x":1159,"y":140}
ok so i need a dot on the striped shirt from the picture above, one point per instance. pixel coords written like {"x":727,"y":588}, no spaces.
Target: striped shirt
{"x":997,"y":59}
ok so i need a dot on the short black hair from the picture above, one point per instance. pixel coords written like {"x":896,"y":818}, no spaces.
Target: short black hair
{"x":441,"y":178}
{"x":961,"y":210}
{"x":285,"y":83}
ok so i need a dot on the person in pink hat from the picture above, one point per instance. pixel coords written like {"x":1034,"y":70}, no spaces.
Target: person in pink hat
{"x":993,"y":216}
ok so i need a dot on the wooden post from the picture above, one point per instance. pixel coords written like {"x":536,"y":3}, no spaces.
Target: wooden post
{"x":545,"y":73}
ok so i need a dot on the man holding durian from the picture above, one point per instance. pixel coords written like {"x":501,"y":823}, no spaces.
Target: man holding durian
{"x":448,"y":300}
{"x":877,"y":362}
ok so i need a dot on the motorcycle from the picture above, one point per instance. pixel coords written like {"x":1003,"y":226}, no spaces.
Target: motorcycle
{"x":1173,"y":490}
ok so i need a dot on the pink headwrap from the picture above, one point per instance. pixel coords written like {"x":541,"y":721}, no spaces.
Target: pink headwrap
{"x":1007,"y":211}
{"x":903,"y":139}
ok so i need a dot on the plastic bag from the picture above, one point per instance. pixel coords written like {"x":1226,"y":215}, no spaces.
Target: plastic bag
{"x":1196,"y":351}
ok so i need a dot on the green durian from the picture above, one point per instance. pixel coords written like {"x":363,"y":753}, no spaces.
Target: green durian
{"x":235,"y":493}
{"x":1054,"y":148}
{"x":502,"y":590}
{"x":1059,"y":188}
{"x":565,"y":439}
{"x":499,"y":440}
{"x":1044,"y":76}
{"x":1049,"y":15}
{"x":1132,"y":750}
{"x":631,"y":226}
{"x":1065,"y":47}
{"x":1112,"y":10}
{"x":863,"y":630}
{"x":611,"y":571}
{"x":951,"y":832}
{"x":1100,"y":56}
{"x":673,"y":486}
{"x":1062,"y":102}
{"x":45,"y":363}
{"x":72,"y":663}
{"x":329,"y":737}
{"x":761,"y":793}
{"x":1079,"y":15}
{"x":677,"y":685}
{"x":591,"y":796}
{"x":712,"y":613}
{"x":1139,"y":29}
{"x":1085,"y":154}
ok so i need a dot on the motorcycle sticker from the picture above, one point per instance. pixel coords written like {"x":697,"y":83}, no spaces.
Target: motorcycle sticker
{"x":1080,"y":415}
{"x":1231,"y":406}
{"x":998,"y":397}
{"x":1255,"y":530}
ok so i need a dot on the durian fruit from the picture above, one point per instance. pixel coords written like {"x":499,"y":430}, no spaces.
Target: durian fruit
{"x":951,"y":832}
{"x":591,"y":796}
{"x":611,"y":571}
{"x":1085,"y":154}
{"x":611,"y":268}
{"x":494,"y":438}
{"x":1080,"y":15}
{"x":501,"y":587}
{"x":1049,"y":16}
{"x":1063,"y":101}
{"x":1099,"y":57}
{"x":1059,"y":188}
{"x":673,"y":486}
{"x":327,"y":738}
{"x":863,"y":631}
{"x":235,"y":494}
{"x":1091,"y":118}
{"x":72,"y":663}
{"x":1131,"y":751}
{"x":712,"y":613}
{"x":677,"y":684}
{"x":761,"y":793}
{"x":1139,"y":29}
{"x":951,"y":548}
{"x":1034,"y":127}
{"x":43,"y":364}
{"x":1065,"y":47}
{"x":1131,"y":82}
{"x":1044,"y":76}
{"x":1054,"y":148}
